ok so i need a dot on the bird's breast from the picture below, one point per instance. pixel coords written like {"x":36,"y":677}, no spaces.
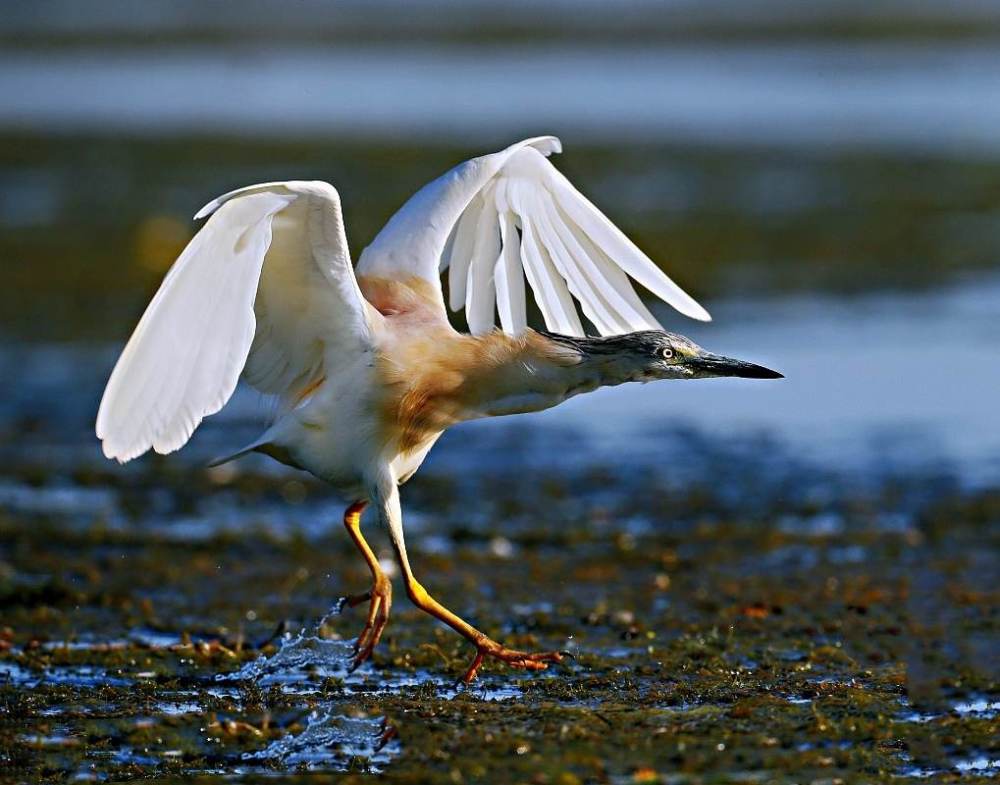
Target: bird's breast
{"x":435,"y":378}
{"x":429,"y":382}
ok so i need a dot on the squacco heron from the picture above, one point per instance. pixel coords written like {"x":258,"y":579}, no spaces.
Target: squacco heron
{"x":364,"y":363}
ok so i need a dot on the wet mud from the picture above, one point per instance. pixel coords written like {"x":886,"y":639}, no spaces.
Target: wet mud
{"x":745,"y":625}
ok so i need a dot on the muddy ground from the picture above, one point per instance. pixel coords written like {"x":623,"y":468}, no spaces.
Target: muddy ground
{"x":747,"y":626}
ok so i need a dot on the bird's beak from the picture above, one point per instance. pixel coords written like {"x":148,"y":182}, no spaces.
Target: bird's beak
{"x":708,"y":364}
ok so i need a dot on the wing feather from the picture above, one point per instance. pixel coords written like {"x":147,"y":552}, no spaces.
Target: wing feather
{"x":551,"y":293}
{"x":607,"y":279}
{"x":592,"y":303}
{"x":480,"y":293}
{"x":509,"y":277}
{"x":643,"y":319}
{"x":617,"y":246}
{"x":266,"y":285}
{"x":566,"y":246}
{"x":461,"y":252}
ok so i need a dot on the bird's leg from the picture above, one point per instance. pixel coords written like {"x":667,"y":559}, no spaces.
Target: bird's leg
{"x":385,"y":493}
{"x":485,"y":646}
{"x":379,"y":597}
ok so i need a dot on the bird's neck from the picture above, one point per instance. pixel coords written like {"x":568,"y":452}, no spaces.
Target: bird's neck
{"x":540,"y":370}
{"x":437,"y":379}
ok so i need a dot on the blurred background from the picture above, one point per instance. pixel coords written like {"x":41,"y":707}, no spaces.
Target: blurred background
{"x":823,"y":175}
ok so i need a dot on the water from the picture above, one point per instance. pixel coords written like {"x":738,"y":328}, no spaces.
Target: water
{"x":760,"y":623}
{"x":333,"y":738}
{"x":330,"y":740}
{"x":298,"y":653}
{"x":324,"y":733}
{"x":933,"y":98}
{"x":880,"y":379}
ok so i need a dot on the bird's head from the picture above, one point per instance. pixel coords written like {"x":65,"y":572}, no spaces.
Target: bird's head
{"x":661,"y":355}
{"x":649,"y":355}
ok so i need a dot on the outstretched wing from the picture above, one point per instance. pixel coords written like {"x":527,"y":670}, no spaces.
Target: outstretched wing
{"x":496,"y":220}
{"x":267,"y":284}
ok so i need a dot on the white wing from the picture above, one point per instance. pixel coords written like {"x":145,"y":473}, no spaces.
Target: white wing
{"x":500,"y":218}
{"x":266,"y":284}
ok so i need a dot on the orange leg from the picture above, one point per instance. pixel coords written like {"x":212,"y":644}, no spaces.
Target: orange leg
{"x":380,"y":595}
{"x":485,"y":646}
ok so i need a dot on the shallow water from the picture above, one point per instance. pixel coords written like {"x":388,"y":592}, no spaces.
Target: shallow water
{"x":931,"y":98}
{"x":891,"y":379}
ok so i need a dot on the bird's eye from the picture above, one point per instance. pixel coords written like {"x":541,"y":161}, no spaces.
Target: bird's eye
{"x":668,"y":353}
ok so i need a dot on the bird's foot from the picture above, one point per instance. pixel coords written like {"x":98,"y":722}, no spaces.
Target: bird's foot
{"x":532,"y":661}
{"x":379,"y":602}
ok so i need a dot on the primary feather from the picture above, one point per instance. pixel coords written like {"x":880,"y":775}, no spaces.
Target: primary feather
{"x":467,"y":221}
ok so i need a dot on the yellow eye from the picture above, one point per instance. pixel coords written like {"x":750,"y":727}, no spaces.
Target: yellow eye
{"x":668,"y":353}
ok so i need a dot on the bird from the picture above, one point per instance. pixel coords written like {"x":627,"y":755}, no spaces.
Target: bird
{"x":364,"y":363}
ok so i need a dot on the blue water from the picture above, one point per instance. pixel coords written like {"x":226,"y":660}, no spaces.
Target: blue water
{"x":937,"y":98}
{"x":912,"y":379}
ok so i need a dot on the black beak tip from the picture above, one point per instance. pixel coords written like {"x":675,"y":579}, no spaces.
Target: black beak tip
{"x":747,"y":370}
{"x":716,"y":365}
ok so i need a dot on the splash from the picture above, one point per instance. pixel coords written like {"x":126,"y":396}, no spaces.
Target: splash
{"x":300,"y":656}
{"x":333,"y":742}
{"x":330,"y":741}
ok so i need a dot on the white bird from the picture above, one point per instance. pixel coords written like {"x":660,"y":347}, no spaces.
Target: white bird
{"x":366,"y":367}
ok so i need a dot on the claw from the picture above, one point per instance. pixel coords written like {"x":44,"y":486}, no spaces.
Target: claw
{"x":532,"y":661}
{"x":470,"y":674}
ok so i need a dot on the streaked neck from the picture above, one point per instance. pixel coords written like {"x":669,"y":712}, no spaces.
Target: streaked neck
{"x":547,"y":368}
